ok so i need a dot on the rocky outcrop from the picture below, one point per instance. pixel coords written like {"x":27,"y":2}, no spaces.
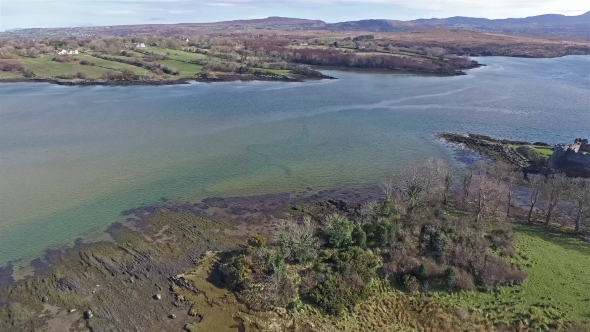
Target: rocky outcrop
{"x":497,"y":150}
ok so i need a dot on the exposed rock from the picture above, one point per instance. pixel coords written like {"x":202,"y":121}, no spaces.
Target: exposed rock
{"x":172,"y":316}
{"x":71,"y":311}
{"x":45,"y":299}
{"x":88,"y":314}
{"x":158,"y":297}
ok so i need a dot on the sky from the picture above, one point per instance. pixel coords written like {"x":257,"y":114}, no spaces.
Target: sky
{"x":70,"y":13}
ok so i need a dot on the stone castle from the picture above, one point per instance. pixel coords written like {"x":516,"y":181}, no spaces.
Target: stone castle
{"x":574,"y":156}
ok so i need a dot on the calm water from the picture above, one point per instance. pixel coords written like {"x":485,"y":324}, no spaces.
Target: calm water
{"x":73,"y":158}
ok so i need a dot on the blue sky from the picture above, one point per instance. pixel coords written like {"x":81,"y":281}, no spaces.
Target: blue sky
{"x":66,"y":13}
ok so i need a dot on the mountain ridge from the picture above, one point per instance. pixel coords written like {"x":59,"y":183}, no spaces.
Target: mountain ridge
{"x":547,"y":24}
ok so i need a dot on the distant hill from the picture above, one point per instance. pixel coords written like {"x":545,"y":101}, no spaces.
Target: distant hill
{"x":548,"y":25}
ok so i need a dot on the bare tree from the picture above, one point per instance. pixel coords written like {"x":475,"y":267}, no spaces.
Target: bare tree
{"x":506,"y":173}
{"x":536,"y":182}
{"x":416,"y":182}
{"x":553,"y":190}
{"x":488,"y":195}
{"x":579,"y":192}
{"x":466,"y":182}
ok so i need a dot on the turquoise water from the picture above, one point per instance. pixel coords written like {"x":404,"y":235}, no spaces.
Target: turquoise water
{"x":73,"y":158}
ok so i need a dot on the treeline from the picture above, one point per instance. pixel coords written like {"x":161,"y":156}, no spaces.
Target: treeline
{"x":412,"y":240}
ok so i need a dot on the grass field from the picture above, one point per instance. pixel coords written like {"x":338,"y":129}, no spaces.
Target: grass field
{"x":46,"y":67}
{"x":185,"y":69}
{"x":114,"y":65}
{"x":176,"y":54}
{"x":557,"y":289}
{"x":8,"y":75}
{"x":546,"y":151}
{"x":274,"y":71}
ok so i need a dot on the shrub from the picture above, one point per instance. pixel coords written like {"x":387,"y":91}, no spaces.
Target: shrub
{"x":496,"y":272}
{"x":410,"y":283}
{"x":359,"y":237}
{"x":422,"y":273}
{"x":239,"y":272}
{"x":338,"y":234}
{"x":257,"y":241}
{"x":64,"y":58}
{"x":85,"y":62}
{"x":337,"y":294}
{"x":11,"y":66}
{"x":81,"y":75}
{"x":449,"y":278}
{"x":464,"y":281}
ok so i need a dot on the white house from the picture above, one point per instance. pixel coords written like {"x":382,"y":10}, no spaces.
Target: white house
{"x":187,"y":40}
{"x":71,"y":52}
{"x":140,"y":45}
{"x":303,"y":44}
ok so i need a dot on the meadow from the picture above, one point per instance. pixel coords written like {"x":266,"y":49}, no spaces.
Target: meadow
{"x":557,"y":287}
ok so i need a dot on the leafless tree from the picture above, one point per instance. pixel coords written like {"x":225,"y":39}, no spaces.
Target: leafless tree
{"x":488,"y":194}
{"x":416,"y":181}
{"x":578,"y":190}
{"x":466,"y":182}
{"x":506,"y":173}
{"x":553,"y":191}
{"x":536,"y":182}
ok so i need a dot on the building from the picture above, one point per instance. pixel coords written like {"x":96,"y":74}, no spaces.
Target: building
{"x":303,"y":44}
{"x":574,"y":156}
{"x":70,"y":52}
{"x":140,"y":45}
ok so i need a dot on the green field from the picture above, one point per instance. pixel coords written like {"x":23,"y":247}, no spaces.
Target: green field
{"x":46,"y":67}
{"x":8,"y":75}
{"x":545,"y":151}
{"x":556,"y":290}
{"x":176,"y":54}
{"x":185,"y":69}
{"x":114,"y":65}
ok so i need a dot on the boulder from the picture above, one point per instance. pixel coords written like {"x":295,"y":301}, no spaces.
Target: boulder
{"x":88,"y":314}
{"x":158,"y":297}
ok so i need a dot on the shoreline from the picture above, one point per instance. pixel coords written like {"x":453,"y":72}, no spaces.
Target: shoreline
{"x":224,"y":78}
{"x":238,"y":210}
{"x":243,"y":78}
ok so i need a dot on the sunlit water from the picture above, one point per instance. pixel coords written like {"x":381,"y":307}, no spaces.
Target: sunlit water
{"x":73,"y":158}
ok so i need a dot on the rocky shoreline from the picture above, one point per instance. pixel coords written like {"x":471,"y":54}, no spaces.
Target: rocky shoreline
{"x":495,"y":149}
{"x":224,"y":78}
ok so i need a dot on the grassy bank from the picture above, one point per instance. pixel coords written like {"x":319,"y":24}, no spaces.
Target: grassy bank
{"x":556,"y":291}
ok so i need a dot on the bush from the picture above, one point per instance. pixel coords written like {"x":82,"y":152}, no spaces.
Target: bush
{"x":239,"y":273}
{"x":11,"y":66}
{"x":337,"y":294}
{"x":496,"y":272}
{"x":257,"y":241}
{"x":85,"y":62}
{"x":422,"y":273}
{"x":63,"y":58}
{"x":359,"y":237}
{"x":449,"y":278}
{"x":339,"y":233}
{"x":81,"y":75}
{"x":410,"y":283}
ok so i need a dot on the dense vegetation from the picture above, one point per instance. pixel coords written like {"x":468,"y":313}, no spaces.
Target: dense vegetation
{"x":435,"y":232}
